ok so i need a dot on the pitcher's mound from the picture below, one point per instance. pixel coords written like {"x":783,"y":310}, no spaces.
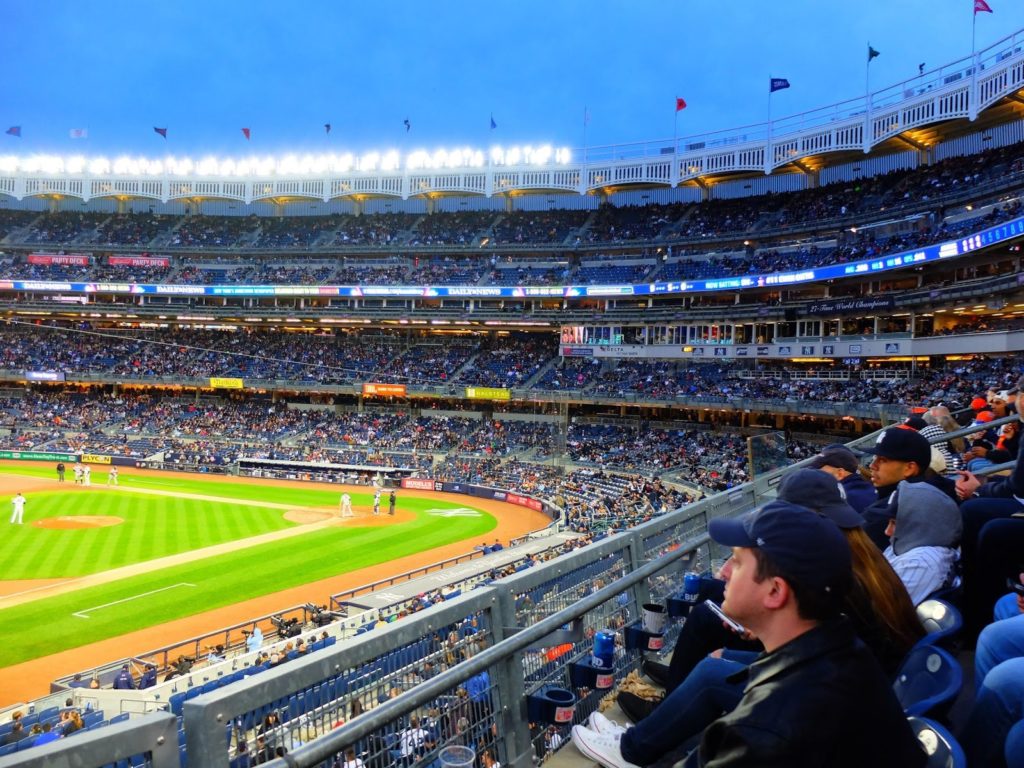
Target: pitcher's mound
{"x":307,"y":515}
{"x":78,"y":521}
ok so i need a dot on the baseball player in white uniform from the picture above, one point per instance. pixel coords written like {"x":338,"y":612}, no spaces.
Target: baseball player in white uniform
{"x":18,"y":509}
{"x":346,"y":505}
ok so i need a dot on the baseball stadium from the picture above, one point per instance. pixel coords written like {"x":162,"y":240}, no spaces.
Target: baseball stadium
{"x":381,"y":462}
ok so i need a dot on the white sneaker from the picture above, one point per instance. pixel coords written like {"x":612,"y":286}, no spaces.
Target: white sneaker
{"x":601,"y":724}
{"x":602,"y":748}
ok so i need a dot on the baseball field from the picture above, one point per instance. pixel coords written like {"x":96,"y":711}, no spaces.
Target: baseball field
{"x":94,"y":563}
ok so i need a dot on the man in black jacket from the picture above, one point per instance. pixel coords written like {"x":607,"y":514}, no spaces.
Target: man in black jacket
{"x":816,"y":698}
{"x":901,"y":453}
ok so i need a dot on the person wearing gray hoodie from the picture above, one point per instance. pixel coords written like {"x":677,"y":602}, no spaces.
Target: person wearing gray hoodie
{"x":924,"y":536}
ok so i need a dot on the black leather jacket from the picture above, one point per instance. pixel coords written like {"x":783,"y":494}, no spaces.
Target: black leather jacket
{"x":820,"y":701}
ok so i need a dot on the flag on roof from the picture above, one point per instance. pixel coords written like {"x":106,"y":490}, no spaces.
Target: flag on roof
{"x":980,"y":6}
{"x":778,"y":84}
{"x":407,"y":124}
{"x":680,"y":104}
{"x":161,"y":131}
{"x":247,"y":133}
{"x":327,"y":127}
{"x":79,"y":133}
{"x":872,"y":53}
{"x":493,"y":124}
{"x":14,"y":130}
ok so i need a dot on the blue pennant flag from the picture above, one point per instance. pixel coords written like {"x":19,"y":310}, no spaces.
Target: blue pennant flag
{"x":778,"y":84}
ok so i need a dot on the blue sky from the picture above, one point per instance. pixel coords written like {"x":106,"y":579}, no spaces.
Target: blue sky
{"x":206,"y":69}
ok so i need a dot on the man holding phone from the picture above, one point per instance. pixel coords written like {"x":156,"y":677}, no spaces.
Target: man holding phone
{"x":814,"y":693}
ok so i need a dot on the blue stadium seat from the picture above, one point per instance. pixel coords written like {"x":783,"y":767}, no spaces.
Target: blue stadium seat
{"x":6,"y":749}
{"x":330,"y":641}
{"x":941,"y":621}
{"x":119,"y":718}
{"x":942,"y":749}
{"x":928,"y":681}
{"x":176,"y":701}
{"x":92,"y":719}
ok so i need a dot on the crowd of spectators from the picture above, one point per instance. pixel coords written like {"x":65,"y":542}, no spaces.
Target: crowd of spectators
{"x":541,"y":227}
{"x":14,"y":220}
{"x":509,"y":361}
{"x":458,"y":228}
{"x":448,"y":270}
{"x":504,"y":361}
{"x":295,"y":231}
{"x":924,"y":188}
{"x":131,"y":228}
{"x":64,"y":228}
{"x":375,"y":230}
{"x":201,"y":231}
{"x":708,"y":458}
{"x":612,"y":224}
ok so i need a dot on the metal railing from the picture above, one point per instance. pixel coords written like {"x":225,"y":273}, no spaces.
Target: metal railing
{"x":537,"y":623}
{"x":515,"y":613}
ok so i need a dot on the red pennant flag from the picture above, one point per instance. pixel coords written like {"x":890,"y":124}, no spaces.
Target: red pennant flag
{"x":246,"y":132}
{"x":980,"y":6}
{"x":161,"y":131}
{"x":680,"y":104}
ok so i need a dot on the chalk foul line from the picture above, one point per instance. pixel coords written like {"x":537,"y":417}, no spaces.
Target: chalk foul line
{"x":84,"y":614}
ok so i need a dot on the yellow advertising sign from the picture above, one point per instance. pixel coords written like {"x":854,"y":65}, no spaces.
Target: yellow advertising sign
{"x":95,"y":458}
{"x":226,"y":383}
{"x":488,"y":393}
{"x":384,"y":390}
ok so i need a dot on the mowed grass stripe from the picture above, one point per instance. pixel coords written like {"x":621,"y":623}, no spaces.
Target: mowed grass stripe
{"x":154,"y":526}
{"x":253,"y":489}
{"x":221,"y":581}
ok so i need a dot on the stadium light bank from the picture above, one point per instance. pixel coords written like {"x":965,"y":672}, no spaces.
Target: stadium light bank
{"x":288,"y":165}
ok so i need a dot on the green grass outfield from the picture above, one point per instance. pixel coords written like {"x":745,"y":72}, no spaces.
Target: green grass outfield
{"x":156,"y":526}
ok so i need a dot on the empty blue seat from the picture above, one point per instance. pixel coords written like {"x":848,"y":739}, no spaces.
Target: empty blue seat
{"x":928,"y":681}
{"x":119,"y":718}
{"x":942,"y":749}
{"x":176,"y":701}
{"x":941,"y":621}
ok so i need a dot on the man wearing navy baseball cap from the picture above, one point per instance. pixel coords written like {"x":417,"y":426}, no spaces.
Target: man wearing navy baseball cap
{"x":901,"y":453}
{"x":817,"y":697}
